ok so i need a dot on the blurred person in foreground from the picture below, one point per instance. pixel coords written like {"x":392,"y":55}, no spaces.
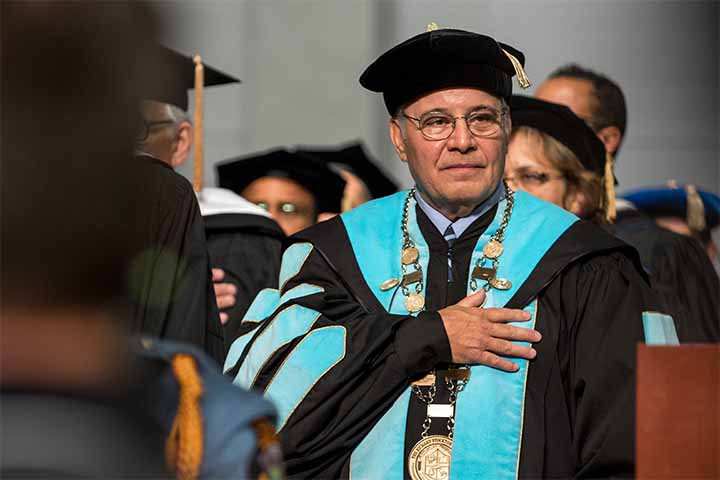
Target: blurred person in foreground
{"x":430,"y":333}
{"x":79,"y":399}
{"x":677,"y":265}
{"x":68,"y":201}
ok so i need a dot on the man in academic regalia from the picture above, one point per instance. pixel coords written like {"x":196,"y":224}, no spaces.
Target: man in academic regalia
{"x":676,"y":265}
{"x":171,"y":283}
{"x":459,"y":328}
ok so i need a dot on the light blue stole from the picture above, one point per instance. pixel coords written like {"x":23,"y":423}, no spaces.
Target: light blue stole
{"x":489,"y":413}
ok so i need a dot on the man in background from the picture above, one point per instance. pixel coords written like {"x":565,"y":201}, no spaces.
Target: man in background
{"x":678,"y":267}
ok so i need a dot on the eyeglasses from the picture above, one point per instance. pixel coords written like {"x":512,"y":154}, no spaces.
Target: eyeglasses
{"x":439,"y":126}
{"x":532,"y":179}
{"x":145,"y":128}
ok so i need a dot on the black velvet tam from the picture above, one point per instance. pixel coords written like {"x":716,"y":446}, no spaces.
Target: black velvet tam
{"x":563,"y":125}
{"x":440,"y":59}
{"x":353,"y":157}
{"x":314,"y":175}
{"x":181,"y":77}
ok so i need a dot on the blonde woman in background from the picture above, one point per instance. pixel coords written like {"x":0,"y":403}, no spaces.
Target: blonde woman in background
{"x":555,"y":156}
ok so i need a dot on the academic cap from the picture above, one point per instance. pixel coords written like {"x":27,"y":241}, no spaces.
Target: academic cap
{"x":175,"y":91}
{"x":444,"y":58}
{"x":314,"y":175}
{"x":563,"y":125}
{"x":699,"y":208}
{"x":353,"y":157}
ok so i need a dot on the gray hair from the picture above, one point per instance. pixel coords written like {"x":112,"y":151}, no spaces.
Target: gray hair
{"x":177,"y":114}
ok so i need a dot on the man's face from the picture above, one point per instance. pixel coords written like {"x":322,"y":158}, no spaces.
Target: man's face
{"x":291,"y":205}
{"x":461,"y":171}
{"x":161,"y":134}
{"x":574,"y":93}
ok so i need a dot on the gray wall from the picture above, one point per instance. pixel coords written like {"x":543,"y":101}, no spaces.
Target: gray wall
{"x":300,"y":60}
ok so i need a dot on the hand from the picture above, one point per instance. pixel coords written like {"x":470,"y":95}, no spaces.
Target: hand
{"x":224,"y":293}
{"x":480,"y":335}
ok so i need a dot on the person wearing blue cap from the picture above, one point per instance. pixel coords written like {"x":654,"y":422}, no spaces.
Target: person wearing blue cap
{"x":458,"y":329}
{"x":686,"y":210}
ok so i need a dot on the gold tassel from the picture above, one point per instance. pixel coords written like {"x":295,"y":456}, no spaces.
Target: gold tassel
{"x":431,"y":27}
{"x":198,"y":151}
{"x":522,"y":77}
{"x":610,"y":209}
{"x":184,"y":446}
{"x":695,"y":209}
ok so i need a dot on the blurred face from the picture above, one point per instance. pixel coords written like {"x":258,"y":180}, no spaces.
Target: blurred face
{"x":288,"y":203}
{"x":457,"y":173}
{"x":574,"y":93}
{"x":160,"y":140}
{"x":527,"y":169}
{"x":165,"y":139}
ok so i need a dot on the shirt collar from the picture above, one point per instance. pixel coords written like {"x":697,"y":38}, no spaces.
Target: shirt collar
{"x":441,"y":222}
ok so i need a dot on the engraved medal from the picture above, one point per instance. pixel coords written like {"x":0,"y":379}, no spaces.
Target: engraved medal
{"x":389,"y":283}
{"x":501,"y":283}
{"x":414,"y":302}
{"x":430,"y":458}
{"x":493,"y":249}
{"x":409,"y":255}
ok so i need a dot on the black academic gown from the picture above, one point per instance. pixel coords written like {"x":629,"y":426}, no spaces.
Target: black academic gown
{"x":248,"y":248}
{"x":170,"y":283}
{"x":680,"y":272}
{"x":579,"y":404}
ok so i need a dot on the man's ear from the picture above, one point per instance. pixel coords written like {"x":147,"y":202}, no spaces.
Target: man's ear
{"x":182,"y":144}
{"x":397,"y":138}
{"x":611,"y":137}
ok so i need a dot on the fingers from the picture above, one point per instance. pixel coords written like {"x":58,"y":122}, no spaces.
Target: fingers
{"x":501,"y":315}
{"x":474,"y":300}
{"x":224,"y":318}
{"x":494,"y":361}
{"x":509,"y":332}
{"x":509,"y":349}
{"x":225,"y":294}
{"x":218,"y":274}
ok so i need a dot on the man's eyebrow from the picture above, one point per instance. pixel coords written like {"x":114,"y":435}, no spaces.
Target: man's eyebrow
{"x":474,"y":108}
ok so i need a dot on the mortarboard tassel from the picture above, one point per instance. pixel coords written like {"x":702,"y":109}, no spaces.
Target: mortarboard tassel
{"x":522,"y":77}
{"x":610,"y":210}
{"x":695,"y":215}
{"x":198,"y":127}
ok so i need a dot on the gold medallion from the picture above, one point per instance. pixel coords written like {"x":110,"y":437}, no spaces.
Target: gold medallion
{"x":414,"y":302}
{"x":493,"y":249}
{"x":501,"y":283}
{"x":430,"y":458}
{"x":409,"y":255}
{"x":389,"y":283}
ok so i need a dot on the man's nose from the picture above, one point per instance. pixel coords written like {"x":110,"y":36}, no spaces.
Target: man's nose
{"x":461,"y":139}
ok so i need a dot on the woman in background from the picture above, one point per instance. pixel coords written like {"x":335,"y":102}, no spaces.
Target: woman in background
{"x":555,"y":156}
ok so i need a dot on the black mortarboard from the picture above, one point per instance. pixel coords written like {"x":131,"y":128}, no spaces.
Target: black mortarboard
{"x":312,"y":174}
{"x":175,"y":90}
{"x":354,"y":158}
{"x":444,"y":58}
{"x":563,"y":125}
{"x":700,"y":209}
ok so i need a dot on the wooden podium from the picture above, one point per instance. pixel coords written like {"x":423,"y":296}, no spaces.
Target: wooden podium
{"x":678,"y":412}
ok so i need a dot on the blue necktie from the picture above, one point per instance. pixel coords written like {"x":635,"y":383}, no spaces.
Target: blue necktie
{"x":450,"y":239}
